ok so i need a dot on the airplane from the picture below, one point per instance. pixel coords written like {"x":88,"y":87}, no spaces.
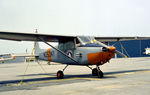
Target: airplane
{"x":72,"y":50}
{"x":9,"y":57}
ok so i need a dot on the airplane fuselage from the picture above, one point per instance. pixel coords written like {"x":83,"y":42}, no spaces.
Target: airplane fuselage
{"x":84,"y":55}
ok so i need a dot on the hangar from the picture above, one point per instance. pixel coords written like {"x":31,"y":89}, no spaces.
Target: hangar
{"x":133,"y":48}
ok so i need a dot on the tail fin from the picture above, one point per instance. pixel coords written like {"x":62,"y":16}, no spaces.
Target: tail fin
{"x":37,"y":49}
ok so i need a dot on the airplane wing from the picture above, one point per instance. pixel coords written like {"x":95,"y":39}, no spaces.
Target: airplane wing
{"x":33,"y":37}
{"x":111,"y":39}
{"x":57,"y":38}
{"x":24,"y":55}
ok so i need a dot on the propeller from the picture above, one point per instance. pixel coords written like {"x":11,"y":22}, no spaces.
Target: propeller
{"x":121,"y":54}
{"x":110,"y":48}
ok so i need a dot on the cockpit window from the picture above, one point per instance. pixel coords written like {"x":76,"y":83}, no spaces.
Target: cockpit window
{"x":86,"y":40}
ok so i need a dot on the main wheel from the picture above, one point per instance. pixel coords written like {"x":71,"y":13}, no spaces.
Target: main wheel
{"x":94,"y":72}
{"x":48,"y":63}
{"x":60,"y":75}
{"x":100,"y":74}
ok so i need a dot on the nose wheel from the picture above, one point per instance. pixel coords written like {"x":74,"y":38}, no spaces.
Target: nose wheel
{"x":97,"y":72}
{"x":100,"y":74}
{"x":94,"y":72}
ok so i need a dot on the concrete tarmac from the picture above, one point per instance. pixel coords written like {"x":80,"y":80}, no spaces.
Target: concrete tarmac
{"x":130,"y":76}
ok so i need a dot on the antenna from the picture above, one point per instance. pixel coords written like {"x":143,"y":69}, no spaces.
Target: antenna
{"x":36,"y":30}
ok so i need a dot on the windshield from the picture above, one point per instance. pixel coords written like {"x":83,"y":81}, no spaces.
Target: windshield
{"x":86,"y":40}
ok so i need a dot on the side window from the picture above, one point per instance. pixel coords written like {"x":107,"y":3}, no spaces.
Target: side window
{"x":69,"y":45}
{"x":61,"y":46}
{"x":77,"y":43}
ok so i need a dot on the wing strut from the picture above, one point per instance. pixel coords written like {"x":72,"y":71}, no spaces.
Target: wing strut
{"x":59,"y":51}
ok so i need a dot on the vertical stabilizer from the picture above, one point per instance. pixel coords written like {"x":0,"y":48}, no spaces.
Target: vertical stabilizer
{"x":37,"y":49}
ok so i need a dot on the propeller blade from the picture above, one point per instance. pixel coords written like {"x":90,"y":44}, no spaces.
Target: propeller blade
{"x":103,"y":45}
{"x":121,"y":54}
{"x":108,"y":48}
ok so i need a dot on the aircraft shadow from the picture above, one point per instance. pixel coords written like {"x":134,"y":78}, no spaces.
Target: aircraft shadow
{"x":39,"y":74}
{"x":53,"y":76}
{"x":125,"y":71}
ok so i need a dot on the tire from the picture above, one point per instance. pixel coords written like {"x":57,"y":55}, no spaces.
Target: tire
{"x":100,"y":74}
{"x":60,"y":75}
{"x":48,"y":63}
{"x":95,"y":72}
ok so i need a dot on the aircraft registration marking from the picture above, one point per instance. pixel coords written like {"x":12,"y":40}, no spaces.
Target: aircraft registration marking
{"x":49,"y":54}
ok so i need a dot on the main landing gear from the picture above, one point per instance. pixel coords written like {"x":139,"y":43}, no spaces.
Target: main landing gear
{"x":97,"y":72}
{"x":60,"y":74}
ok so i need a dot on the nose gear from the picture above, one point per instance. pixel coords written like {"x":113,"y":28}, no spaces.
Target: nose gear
{"x":97,"y":72}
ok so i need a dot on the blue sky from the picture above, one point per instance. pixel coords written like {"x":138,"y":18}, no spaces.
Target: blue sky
{"x":73,"y":17}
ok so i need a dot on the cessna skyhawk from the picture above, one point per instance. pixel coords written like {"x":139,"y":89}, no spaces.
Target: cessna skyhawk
{"x":72,"y":50}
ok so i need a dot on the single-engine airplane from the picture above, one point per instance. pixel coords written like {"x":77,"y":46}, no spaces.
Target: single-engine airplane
{"x":9,"y":57}
{"x":72,"y":50}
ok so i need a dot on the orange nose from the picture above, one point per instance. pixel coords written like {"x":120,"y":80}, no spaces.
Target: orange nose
{"x":112,"y":48}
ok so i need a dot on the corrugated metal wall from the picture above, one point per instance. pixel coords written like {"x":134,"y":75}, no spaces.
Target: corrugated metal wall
{"x":135,"y":48}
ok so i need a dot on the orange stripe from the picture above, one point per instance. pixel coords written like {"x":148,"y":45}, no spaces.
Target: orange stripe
{"x":49,"y":54}
{"x":99,"y":57}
